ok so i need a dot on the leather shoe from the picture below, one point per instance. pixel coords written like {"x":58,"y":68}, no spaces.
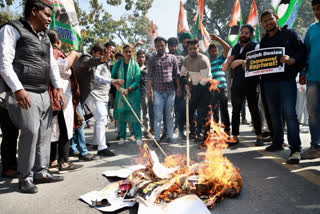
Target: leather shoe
{"x":48,"y":179}
{"x":27,"y":187}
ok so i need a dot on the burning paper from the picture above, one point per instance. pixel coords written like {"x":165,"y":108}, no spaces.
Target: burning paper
{"x":162,"y":186}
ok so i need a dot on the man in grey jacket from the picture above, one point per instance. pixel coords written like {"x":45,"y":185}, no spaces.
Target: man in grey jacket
{"x":27,"y":66}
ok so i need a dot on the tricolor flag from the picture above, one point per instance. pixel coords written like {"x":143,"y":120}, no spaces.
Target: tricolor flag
{"x":253,"y":20}
{"x":235,"y":24}
{"x":154,"y":36}
{"x":65,"y":21}
{"x":287,"y":11}
{"x":200,"y":31}
{"x":183,"y":26}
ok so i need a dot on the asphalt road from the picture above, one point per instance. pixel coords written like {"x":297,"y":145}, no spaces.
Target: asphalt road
{"x":269,"y":185}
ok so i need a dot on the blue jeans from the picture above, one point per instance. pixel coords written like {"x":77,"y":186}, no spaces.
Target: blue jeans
{"x":281,"y":98}
{"x":163,"y":100}
{"x":313,"y":106}
{"x":78,"y":142}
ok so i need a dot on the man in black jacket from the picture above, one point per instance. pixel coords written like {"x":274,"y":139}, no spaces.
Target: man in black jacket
{"x":280,"y":88}
{"x":243,"y":87}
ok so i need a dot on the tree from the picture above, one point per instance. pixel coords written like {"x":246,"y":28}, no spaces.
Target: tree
{"x":6,"y":15}
{"x":98,"y":26}
{"x":101,"y":27}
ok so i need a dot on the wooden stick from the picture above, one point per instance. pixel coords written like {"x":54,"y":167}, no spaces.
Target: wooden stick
{"x":187,"y":130}
{"x":150,"y":135}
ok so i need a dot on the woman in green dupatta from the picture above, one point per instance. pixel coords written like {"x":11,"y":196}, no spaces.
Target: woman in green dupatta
{"x":128,"y":70}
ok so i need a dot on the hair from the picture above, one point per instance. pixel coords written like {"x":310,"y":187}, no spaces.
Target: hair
{"x":193,"y":42}
{"x":128,"y":46}
{"x":118,"y":55}
{"x":315,"y":2}
{"x":212,"y":46}
{"x":160,"y":39}
{"x":37,"y":4}
{"x":268,"y":12}
{"x":172,"y":41}
{"x":109,"y":44}
{"x":140,"y":52}
{"x":251,"y":29}
{"x":98,"y":47}
{"x":54,"y":36}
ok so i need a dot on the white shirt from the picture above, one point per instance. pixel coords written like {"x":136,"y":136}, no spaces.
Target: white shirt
{"x":102,"y":83}
{"x":8,"y":40}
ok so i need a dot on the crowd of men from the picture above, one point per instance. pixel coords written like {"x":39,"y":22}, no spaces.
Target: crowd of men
{"x":38,"y":78}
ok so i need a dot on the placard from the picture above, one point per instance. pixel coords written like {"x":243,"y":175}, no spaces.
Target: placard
{"x":264,"y":61}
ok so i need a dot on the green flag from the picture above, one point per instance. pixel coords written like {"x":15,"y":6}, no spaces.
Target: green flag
{"x":287,"y":11}
{"x":235,"y":24}
{"x":64,"y":20}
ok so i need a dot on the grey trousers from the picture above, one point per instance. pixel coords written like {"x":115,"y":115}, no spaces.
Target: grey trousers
{"x":34,"y":141}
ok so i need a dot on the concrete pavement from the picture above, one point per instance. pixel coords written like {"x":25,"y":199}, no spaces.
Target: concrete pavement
{"x":269,"y":185}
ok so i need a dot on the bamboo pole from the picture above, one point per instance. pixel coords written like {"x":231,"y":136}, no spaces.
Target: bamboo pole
{"x":150,"y":135}
{"x":187,"y":130}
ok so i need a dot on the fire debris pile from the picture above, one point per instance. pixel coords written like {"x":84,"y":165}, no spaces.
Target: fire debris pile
{"x":212,"y":179}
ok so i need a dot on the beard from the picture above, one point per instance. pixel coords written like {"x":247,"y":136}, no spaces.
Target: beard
{"x":244,"y":40}
{"x":273,"y":29}
{"x":160,"y":53}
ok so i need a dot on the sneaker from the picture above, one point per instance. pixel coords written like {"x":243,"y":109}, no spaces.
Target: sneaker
{"x":294,"y":158}
{"x":74,"y":154}
{"x":266,"y":134}
{"x":122,"y":141}
{"x":163,"y":137}
{"x":311,"y":153}
{"x":268,"y":139}
{"x":274,"y":147}
{"x":170,"y":140}
{"x":88,"y":157}
{"x":68,"y":167}
{"x":259,"y":142}
{"x":139,"y":142}
{"x":245,"y":122}
{"x":105,"y":153}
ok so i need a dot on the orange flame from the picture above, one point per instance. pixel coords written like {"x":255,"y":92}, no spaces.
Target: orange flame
{"x":213,"y":178}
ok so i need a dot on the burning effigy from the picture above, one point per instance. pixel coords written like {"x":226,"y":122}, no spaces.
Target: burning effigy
{"x":210,"y":179}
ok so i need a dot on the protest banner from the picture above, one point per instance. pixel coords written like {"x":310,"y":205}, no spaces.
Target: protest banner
{"x":65,"y":21}
{"x":264,"y":61}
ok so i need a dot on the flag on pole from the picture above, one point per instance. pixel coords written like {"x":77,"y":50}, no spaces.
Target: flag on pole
{"x":287,"y":11}
{"x":154,"y":36}
{"x":253,"y":20}
{"x":200,"y":31}
{"x":235,"y":24}
{"x":183,"y":26}
{"x":199,"y":17}
{"x":65,"y":21}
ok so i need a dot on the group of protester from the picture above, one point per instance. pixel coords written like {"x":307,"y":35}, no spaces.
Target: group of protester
{"x":50,"y":94}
